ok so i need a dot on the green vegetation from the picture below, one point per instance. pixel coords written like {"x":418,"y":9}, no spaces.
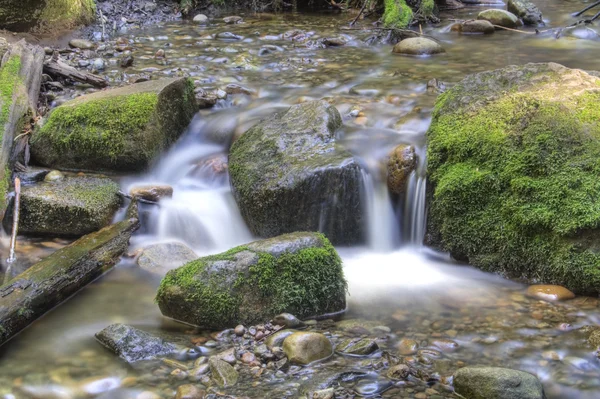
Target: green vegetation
{"x":67,"y":13}
{"x":397,"y":14}
{"x":515,"y":179}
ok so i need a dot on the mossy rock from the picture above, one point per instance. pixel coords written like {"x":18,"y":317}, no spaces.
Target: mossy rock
{"x":288,"y":175}
{"x":397,"y":14}
{"x":513,"y":165}
{"x":45,"y":15}
{"x":122,"y":129}
{"x":526,"y":10}
{"x":300,"y":273}
{"x":497,"y":383}
{"x":70,"y":207}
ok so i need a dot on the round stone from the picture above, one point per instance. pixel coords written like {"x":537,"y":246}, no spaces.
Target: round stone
{"x":201,"y":19}
{"x":307,"y":347}
{"x":418,"y":46}
{"x":549,"y":292}
{"x":408,"y":347}
{"x":500,"y":18}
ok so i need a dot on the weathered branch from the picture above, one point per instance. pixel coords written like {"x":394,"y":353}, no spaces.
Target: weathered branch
{"x":596,"y":4}
{"x":55,"y":67}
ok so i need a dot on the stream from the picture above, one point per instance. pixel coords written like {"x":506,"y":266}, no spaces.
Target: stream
{"x":406,"y":290}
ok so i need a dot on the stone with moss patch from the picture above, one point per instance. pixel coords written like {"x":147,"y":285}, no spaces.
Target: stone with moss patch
{"x":45,"y":15}
{"x":300,"y":273}
{"x":70,"y":207}
{"x":513,"y":164}
{"x":397,"y":14}
{"x":122,"y":129}
{"x":288,"y":174}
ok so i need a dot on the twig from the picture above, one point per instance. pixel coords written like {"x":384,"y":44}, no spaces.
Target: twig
{"x":360,"y":13}
{"x":587,"y":8}
{"x":517,"y":30}
{"x":15,"y":226}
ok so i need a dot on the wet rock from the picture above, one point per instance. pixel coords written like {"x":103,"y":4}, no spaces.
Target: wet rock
{"x":358,"y":347}
{"x":334,"y":41}
{"x":133,"y":345}
{"x":287,"y":320}
{"x":227,"y":356}
{"x":121,"y":129}
{"x":290,"y":164}
{"x":461,"y":173}
{"x":398,"y":372}
{"x":474,"y":26}
{"x":526,"y":10}
{"x":549,"y":292}
{"x":201,"y":19}
{"x":45,"y":16}
{"x":189,"y":391}
{"x":222,"y":291}
{"x":307,"y":347}
{"x":205,"y":99}
{"x":81,"y":44}
{"x":401,"y":163}
{"x":153,"y":192}
{"x":228,"y":36}
{"x":161,"y":258}
{"x":594,"y":339}
{"x":445,"y":345}
{"x":328,"y":393}
{"x":232,"y":20}
{"x":239,"y":330}
{"x":98,"y":64}
{"x":223,"y":374}
{"x":408,"y":347}
{"x":237,"y":89}
{"x":126,"y":61}
{"x":276,"y":340}
{"x":54,"y":175}
{"x":497,"y":383}
{"x":33,"y":174}
{"x":372,"y":387}
{"x":359,"y":327}
{"x":72,"y":206}
{"x":197,"y":373}
{"x":418,"y":46}
{"x":500,"y":18}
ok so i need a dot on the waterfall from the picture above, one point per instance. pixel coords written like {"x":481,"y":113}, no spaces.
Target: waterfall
{"x":383,"y":229}
{"x":414,"y":209}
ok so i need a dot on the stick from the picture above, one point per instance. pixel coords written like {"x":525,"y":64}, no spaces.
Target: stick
{"x":360,"y":13}
{"x":587,"y":8}
{"x":15,"y":226}
{"x":56,"y":67}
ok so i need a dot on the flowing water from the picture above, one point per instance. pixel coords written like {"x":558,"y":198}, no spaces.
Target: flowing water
{"x":405,"y":290}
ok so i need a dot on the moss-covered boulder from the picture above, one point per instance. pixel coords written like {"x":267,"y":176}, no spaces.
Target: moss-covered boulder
{"x":526,"y":10}
{"x":497,"y":383}
{"x":121,"y":129}
{"x":397,"y":14}
{"x":69,"y":207}
{"x":288,"y":174}
{"x":45,"y":15}
{"x":299,"y":273}
{"x":513,"y":164}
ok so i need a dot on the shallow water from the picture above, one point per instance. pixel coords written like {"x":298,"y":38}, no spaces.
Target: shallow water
{"x":412,"y":291}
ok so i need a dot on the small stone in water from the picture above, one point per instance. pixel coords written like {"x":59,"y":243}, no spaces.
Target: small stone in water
{"x":240,"y":330}
{"x":408,"y":347}
{"x":179,"y":374}
{"x":287,"y":320}
{"x":398,"y":372}
{"x":356,"y":347}
{"x":372,"y":387}
{"x":126,"y":61}
{"x":550,"y":292}
{"x":153,"y":192}
{"x":189,"y":391}
{"x":248,"y":357}
{"x":232,"y":20}
{"x":54,"y":175}
{"x":147,"y":395}
{"x":201,"y":19}
{"x":160,"y":53}
{"x":81,"y":44}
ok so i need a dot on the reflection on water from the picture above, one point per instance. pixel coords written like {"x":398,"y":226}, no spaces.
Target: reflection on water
{"x":414,"y":292}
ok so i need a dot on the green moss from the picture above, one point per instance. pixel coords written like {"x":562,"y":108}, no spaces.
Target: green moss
{"x":516,"y":185}
{"x":9,"y":79}
{"x":427,"y":7}
{"x":67,"y":13}
{"x":397,"y":14}
{"x":99,"y":126}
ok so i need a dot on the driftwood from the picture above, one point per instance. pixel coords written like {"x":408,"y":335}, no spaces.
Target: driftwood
{"x":57,"y":68}
{"x":51,"y":281}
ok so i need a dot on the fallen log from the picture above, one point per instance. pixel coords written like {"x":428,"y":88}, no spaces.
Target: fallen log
{"x":57,"y":68}
{"x":51,"y":281}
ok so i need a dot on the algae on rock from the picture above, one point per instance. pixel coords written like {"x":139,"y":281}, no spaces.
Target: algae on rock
{"x":122,"y":129}
{"x":45,"y":15}
{"x":397,"y":14}
{"x":513,"y":165}
{"x":300,"y":273}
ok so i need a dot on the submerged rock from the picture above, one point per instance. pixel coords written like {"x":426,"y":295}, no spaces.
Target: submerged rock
{"x":299,"y":273}
{"x":222,"y":373}
{"x":133,"y":345}
{"x":401,"y":163}
{"x":512,"y":162}
{"x":358,"y":347}
{"x":418,"y":46}
{"x":73,"y":206}
{"x":500,"y":17}
{"x":121,"y":129}
{"x":497,"y":383}
{"x":288,"y":174}
{"x":277,"y":339}
{"x":307,"y":347}
{"x":161,"y":258}
{"x":526,"y":10}
{"x":474,"y":26}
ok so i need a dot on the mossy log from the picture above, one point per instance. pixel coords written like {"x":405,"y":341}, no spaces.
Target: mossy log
{"x":20,"y":77}
{"x":51,"y":281}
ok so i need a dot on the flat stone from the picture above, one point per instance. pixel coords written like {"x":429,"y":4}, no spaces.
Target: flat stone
{"x":357,"y":347}
{"x":152,"y":192}
{"x":478,"y":26}
{"x":132,"y":344}
{"x":81,"y":44}
{"x":160,"y":258}
{"x":497,"y":383}
{"x":232,"y":20}
{"x":223,"y":374}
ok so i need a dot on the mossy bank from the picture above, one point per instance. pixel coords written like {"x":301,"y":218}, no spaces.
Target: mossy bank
{"x":45,"y":15}
{"x":299,"y":273}
{"x":121,"y":129}
{"x":513,"y":164}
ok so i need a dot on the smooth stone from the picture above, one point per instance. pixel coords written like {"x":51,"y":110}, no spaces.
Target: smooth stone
{"x":497,"y":383}
{"x":33,"y":174}
{"x":594,"y":339}
{"x":152,"y":192}
{"x":360,"y":347}
{"x":549,"y":292}
{"x":401,"y":163}
{"x":201,"y":19}
{"x":160,"y":258}
{"x":132,"y":344}
{"x":81,"y":44}
{"x":239,"y":330}
{"x":54,"y":175}
{"x":398,"y":372}
{"x":372,"y":387}
{"x":476,"y":26}
{"x":526,"y":10}
{"x":445,"y":345}
{"x":408,"y":347}
{"x":500,"y":17}
{"x":227,"y":356}
{"x":307,"y":347}
{"x":189,"y":391}
{"x":418,"y":46}
{"x":276,"y":340}
{"x":232,"y":20}
{"x":228,"y":36}
{"x":223,"y":374}
{"x":287,"y":320}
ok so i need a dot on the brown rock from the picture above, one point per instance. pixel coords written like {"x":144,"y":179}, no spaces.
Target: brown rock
{"x":152,"y":192}
{"x":189,"y":391}
{"x":398,"y":372}
{"x":408,"y":347}
{"x":402,"y":162}
{"x":549,"y":292}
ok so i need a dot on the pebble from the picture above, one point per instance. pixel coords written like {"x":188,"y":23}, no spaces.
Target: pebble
{"x":81,"y":44}
{"x":408,"y":347}
{"x":201,"y":19}
{"x":239,"y":330}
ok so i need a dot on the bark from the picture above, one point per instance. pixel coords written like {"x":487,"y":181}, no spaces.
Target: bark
{"x":51,"y":281}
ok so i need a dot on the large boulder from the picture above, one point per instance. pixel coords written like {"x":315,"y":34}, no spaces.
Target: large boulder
{"x":299,"y":273}
{"x":122,"y":129}
{"x":499,"y":17}
{"x":288,"y":174}
{"x":73,"y":206}
{"x":497,"y":383}
{"x":513,"y":165}
{"x":45,"y":15}
{"x":20,"y":77}
{"x":526,"y":10}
